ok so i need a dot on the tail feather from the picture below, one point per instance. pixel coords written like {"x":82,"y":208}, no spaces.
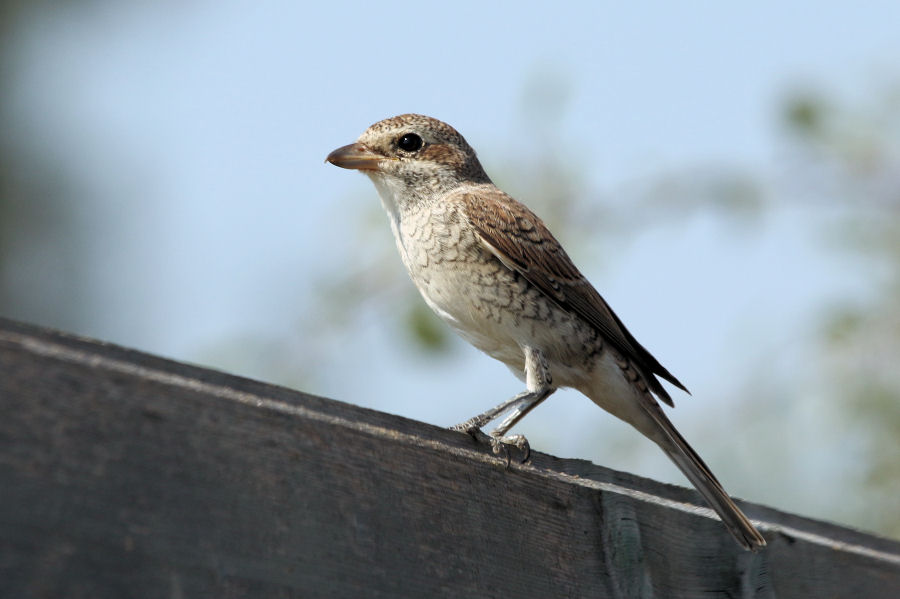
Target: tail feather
{"x":693,"y":467}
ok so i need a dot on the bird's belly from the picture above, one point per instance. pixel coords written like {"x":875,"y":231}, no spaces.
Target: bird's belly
{"x":476,"y":312}
{"x":500,"y":313}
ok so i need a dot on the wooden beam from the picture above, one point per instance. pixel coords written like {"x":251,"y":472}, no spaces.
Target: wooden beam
{"x":124,"y":475}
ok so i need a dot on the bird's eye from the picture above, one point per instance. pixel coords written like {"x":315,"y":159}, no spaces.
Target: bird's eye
{"x":410,"y":142}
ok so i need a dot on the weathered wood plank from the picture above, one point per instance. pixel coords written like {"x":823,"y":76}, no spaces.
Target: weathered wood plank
{"x":126,"y":475}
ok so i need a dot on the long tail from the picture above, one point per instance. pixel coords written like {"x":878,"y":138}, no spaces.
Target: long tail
{"x":703,"y":479}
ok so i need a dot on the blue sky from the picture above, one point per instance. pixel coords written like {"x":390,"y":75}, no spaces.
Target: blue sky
{"x":199,"y":129}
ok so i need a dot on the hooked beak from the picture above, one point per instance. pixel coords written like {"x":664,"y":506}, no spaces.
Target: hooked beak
{"x":355,"y":156}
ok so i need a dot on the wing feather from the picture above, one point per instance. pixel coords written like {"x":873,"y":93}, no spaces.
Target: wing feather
{"x":518,"y":238}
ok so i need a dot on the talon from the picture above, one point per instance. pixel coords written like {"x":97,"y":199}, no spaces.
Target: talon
{"x":521,"y":443}
{"x":498,"y":447}
{"x":523,"y":446}
{"x":500,"y":443}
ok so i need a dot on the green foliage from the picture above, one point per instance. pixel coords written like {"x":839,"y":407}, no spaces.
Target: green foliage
{"x":852,"y":155}
{"x":804,"y":114}
{"x":842,"y":325}
{"x":427,"y":331}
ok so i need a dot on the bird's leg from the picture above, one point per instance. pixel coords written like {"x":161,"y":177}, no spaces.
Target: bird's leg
{"x":476,"y":422}
{"x":539,"y":385}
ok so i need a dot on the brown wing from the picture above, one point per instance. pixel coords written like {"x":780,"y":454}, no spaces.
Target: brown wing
{"x":523,"y":243}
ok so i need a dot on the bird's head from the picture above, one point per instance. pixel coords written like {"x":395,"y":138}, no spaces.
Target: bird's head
{"x":412,"y":157}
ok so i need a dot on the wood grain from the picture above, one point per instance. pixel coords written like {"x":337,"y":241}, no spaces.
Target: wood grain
{"x":126,"y":475}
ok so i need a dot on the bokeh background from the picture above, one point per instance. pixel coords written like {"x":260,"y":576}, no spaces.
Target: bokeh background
{"x":728,"y":177}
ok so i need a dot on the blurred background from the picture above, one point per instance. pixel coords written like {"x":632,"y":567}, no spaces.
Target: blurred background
{"x":729,"y":179}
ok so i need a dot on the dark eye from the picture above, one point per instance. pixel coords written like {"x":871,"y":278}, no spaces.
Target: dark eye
{"x":410,"y":142}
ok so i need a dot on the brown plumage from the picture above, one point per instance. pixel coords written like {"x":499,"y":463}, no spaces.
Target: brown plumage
{"x":523,"y":243}
{"x":492,"y":270}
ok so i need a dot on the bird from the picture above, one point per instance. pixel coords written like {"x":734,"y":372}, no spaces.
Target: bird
{"x":491,"y":269}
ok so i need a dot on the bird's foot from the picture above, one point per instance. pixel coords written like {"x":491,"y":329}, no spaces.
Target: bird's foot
{"x":499,"y":444}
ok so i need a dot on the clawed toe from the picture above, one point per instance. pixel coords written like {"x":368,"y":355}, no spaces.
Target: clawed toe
{"x":518,"y":441}
{"x":499,"y":444}
{"x":521,"y":444}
